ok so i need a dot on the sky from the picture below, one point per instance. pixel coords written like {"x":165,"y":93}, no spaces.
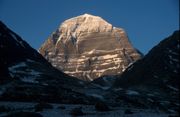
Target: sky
{"x":146,"y":22}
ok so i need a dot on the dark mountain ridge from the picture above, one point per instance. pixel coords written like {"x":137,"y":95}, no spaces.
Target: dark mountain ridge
{"x":156,"y":76}
{"x":151,"y":82}
{"x":26,"y":76}
{"x":161,"y":63}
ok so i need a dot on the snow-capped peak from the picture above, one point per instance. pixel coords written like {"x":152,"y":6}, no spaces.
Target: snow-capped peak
{"x":74,"y":27}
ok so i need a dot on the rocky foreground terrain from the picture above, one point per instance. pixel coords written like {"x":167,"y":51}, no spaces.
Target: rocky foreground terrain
{"x":31,"y":86}
{"x":26,"y":109}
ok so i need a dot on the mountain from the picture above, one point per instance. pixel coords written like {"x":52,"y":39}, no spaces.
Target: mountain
{"x":88,"y":47}
{"x":156,"y":76}
{"x":149,"y":85}
{"x":161,"y":63}
{"x":15,"y":51}
{"x":26,"y":76}
{"x":19,"y":59}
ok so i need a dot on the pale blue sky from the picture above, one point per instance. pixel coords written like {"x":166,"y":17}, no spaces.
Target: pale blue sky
{"x":146,"y":22}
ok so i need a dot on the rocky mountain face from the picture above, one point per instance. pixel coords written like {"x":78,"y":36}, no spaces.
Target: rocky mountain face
{"x":88,"y":47}
{"x":156,"y":76}
{"x":26,"y":76}
{"x":150,"y":83}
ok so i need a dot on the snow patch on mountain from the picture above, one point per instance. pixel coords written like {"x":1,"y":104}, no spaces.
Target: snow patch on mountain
{"x":131,"y":92}
{"x":84,"y":23}
{"x":13,"y":70}
{"x":24,"y":72}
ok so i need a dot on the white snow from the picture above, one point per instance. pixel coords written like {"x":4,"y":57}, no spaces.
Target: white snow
{"x":170,"y":62}
{"x":80,"y":82}
{"x":22,"y":44}
{"x":117,"y":89}
{"x":16,"y":69}
{"x":131,"y":92}
{"x":29,"y":80}
{"x":22,"y":64}
{"x":22,"y":69}
{"x":149,"y":99}
{"x":105,"y":87}
{"x":173,"y":59}
{"x":14,"y":37}
{"x":12,"y":69}
{"x":72,"y":28}
{"x":176,"y":60}
{"x":173,"y":88}
{"x":33,"y":72}
{"x":97,"y":96}
{"x":150,"y":94}
{"x":130,"y":67}
{"x":102,"y":87}
{"x":88,"y":76}
{"x":172,"y":52}
{"x":170,"y":56}
{"x":31,"y":61}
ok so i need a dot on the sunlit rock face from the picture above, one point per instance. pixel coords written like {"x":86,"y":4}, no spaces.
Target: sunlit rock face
{"x":88,"y":47}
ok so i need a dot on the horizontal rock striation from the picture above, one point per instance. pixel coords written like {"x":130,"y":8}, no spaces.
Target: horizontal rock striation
{"x":88,"y":47}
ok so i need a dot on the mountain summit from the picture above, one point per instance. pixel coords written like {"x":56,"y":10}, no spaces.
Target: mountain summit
{"x":89,"y":47}
{"x":85,"y":23}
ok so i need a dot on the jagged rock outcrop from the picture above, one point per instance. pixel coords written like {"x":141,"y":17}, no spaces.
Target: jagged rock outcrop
{"x":88,"y":47}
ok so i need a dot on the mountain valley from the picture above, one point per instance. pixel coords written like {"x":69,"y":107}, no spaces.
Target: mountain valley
{"x":88,"y":67}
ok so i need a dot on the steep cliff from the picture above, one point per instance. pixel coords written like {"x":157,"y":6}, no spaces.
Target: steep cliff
{"x":88,"y":47}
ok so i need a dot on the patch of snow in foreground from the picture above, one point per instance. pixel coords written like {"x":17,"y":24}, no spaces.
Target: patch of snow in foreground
{"x":118,"y":89}
{"x":18,"y":69}
{"x":173,"y":88}
{"x":105,"y":87}
{"x":97,"y":96}
{"x":29,"y":80}
{"x":131,"y":92}
{"x":21,"y":64}
{"x":27,"y":75}
{"x":102,"y":87}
